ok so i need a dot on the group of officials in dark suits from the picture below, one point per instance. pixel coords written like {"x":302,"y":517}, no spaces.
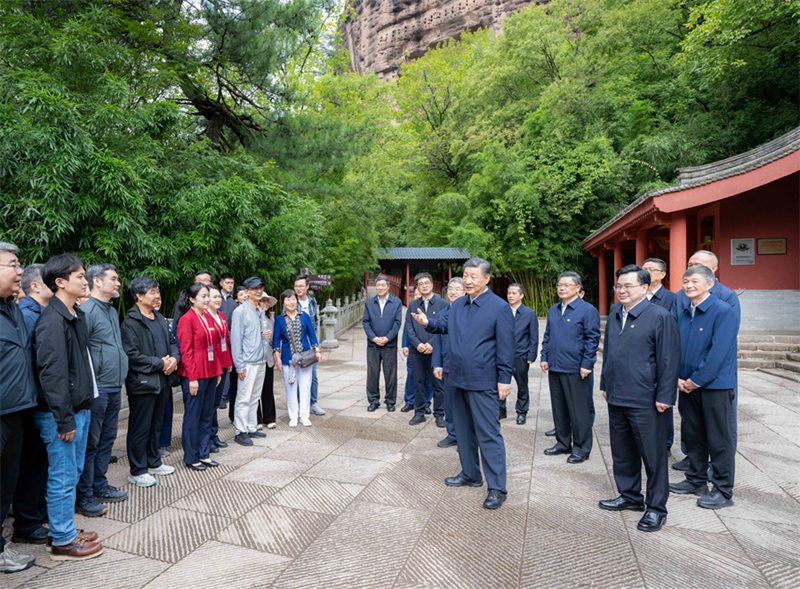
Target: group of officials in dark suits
{"x":659,"y":347}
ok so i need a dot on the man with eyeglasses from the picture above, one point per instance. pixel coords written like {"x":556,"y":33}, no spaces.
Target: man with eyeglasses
{"x":569,"y":351}
{"x":657,"y":293}
{"x":641,"y":357}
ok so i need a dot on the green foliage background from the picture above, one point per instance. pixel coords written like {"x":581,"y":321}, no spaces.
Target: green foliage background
{"x":164,"y":136}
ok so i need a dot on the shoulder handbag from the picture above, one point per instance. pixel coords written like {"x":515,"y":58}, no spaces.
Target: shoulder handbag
{"x":302,"y":358}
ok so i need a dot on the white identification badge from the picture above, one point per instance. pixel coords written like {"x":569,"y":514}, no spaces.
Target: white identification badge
{"x":223,"y":345}
{"x":210,"y":353}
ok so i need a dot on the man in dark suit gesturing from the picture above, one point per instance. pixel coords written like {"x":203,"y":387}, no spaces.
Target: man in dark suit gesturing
{"x":480,"y":332}
{"x":641,"y":357}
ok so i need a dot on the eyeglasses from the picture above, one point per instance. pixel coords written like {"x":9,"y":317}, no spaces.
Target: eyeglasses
{"x":625,"y":287}
{"x":15,"y":265}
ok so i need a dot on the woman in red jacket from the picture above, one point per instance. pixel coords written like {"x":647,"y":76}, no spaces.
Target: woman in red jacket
{"x":201,"y":368}
{"x":224,"y":351}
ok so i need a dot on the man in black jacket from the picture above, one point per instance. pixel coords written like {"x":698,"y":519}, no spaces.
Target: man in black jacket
{"x":153,"y":355}
{"x":641,"y":358}
{"x":17,"y":394}
{"x":421,"y":348}
{"x":67,"y":389}
{"x":383,"y":316}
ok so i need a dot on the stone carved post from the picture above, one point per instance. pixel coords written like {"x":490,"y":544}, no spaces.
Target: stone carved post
{"x":329,"y":326}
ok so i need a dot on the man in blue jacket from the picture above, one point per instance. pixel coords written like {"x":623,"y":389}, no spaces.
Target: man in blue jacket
{"x":658,"y":293}
{"x":706,"y":382}
{"x":639,"y":381}
{"x":421,"y":347}
{"x":455,"y":290}
{"x":383,"y":315}
{"x":569,"y":351}
{"x":17,"y":394}
{"x":526,"y":344}
{"x":480,"y":331}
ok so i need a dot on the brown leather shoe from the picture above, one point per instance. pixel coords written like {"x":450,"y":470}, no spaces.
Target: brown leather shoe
{"x":83,"y":536}
{"x":76,"y":551}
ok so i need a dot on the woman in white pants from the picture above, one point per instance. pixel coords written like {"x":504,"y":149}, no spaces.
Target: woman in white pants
{"x":294,"y":333}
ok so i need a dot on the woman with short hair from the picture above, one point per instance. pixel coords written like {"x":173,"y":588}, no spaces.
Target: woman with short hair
{"x":294,"y":333}
{"x":223,"y":348}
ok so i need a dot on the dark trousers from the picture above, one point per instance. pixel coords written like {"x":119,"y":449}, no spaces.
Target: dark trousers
{"x":477,"y":422}
{"x":706,"y":426}
{"x":165,"y":437}
{"x":521,"y":368}
{"x":102,"y":434}
{"x":571,"y":400}
{"x":640,"y":436}
{"x":408,"y":395}
{"x":376,"y":357}
{"x":144,"y":427}
{"x":233,"y":386}
{"x":30,"y":503}
{"x":266,"y":413}
{"x":449,"y":425}
{"x":197,"y":416}
{"x":222,"y":386}
{"x":11,"y":426}
{"x":423,"y":370}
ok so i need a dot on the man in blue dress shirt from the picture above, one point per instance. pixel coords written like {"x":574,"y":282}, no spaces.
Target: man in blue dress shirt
{"x":480,"y":330}
{"x":526,"y":344}
{"x":569,"y":351}
{"x":383,"y":315}
{"x":706,"y":382}
{"x":639,"y":381}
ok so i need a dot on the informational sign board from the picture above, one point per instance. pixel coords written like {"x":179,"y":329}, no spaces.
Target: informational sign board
{"x":743,"y":252}
{"x":317,"y":281}
{"x":772,"y":246}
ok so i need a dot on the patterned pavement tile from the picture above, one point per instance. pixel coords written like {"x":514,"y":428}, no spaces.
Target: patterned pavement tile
{"x":401,"y":491}
{"x":298,"y":451}
{"x":127,"y":570}
{"x":780,"y":575}
{"x":571,"y":483}
{"x":767,"y":541}
{"x":347,"y":469}
{"x":143,"y":502}
{"x":577,"y":516}
{"x":216,"y":565}
{"x":313,"y":494}
{"x":676,"y":557}
{"x":351,"y":422}
{"x":169,"y":534}
{"x":365,"y":547}
{"x":226,"y":498}
{"x":324,"y":435}
{"x":372,"y":449}
{"x":562,"y":558}
{"x":276,"y":529}
{"x":267,"y":471}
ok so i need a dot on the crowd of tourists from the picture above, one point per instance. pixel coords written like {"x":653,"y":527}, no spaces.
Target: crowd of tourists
{"x":65,"y":358}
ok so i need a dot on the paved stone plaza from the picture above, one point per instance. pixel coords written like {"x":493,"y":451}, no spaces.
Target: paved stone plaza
{"x":358,"y":500}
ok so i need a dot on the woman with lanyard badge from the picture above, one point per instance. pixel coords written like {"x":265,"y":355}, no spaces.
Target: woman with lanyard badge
{"x":223,"y":348}
{"x":201,"y":370}
{"x":293,"y":334}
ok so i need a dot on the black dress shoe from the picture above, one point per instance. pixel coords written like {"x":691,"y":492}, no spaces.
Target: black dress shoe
{"x":373,"y":406}
{"x":390,"y":408}
{"x":494,"y":499}
{"x":428,"y":410}
{"x":257,"y":434}
{"x":681,"y":464}
{"x":37,"y":536}
{"x":198,"y":466}
{"x":551,"y":433}
{"x":219,"y":443}
{"x":213,"y":448}
{"x":503,"y":414}
{"x":406,"y":408}
{"x":687,"y":488}
{"x":460,"y":481}
{"x":714,"y":500}
{"x":575,"y":459}
{"x":440,"y":421}
{"x":446,"y":442}
{"x":209,"y":462}
{"x":554,"y":450}
{"x":651,"y":521}
{"x":243,"y":439}
{"x":417,"y":419}
{"x":620,"y":504}
{"x":521,"y":419}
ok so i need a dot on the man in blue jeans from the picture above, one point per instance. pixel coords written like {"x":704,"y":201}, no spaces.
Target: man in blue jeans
{"x":110,"y":366}
{"x":67,"y":389}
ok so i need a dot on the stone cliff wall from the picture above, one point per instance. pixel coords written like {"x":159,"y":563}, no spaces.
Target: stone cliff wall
{"x":383,"y":34}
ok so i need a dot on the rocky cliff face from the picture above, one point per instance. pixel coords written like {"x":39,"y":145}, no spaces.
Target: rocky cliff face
{"x":382,"y":34}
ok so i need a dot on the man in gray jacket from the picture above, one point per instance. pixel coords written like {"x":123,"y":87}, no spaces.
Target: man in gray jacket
{"x":110,"y":365}
{"x":249,"y":350}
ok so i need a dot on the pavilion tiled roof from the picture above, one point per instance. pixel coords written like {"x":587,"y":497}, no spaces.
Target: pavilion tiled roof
{"x":719,"y":170}
{"x":423,"y":253}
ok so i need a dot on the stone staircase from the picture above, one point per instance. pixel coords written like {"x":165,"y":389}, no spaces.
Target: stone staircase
{"x":774,"y":354}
